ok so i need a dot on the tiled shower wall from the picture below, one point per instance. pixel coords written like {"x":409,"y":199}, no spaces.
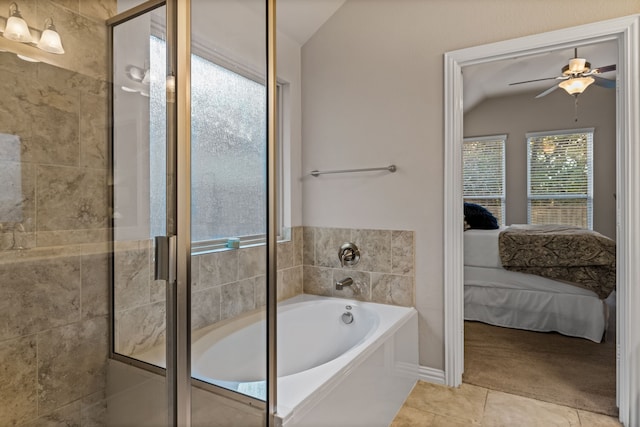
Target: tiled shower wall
{"x":225,"y":284}
{"x":229,"y":283}
{"x":54,"y":221}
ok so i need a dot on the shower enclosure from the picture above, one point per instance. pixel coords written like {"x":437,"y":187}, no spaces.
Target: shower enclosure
{"x":194,"y":201}
{"x":142,"y":212}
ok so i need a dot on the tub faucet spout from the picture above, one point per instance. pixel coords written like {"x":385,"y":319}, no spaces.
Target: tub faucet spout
{"x":344,"y":282}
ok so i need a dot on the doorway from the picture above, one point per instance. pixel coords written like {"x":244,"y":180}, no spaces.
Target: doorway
{"x":625,"y":31}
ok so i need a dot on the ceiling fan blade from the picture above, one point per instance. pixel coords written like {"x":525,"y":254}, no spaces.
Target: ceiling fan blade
{"x":601,"y":81}
{"x":548,"y":91}
{"x":604,"y":69}
{"x":538,"y":80}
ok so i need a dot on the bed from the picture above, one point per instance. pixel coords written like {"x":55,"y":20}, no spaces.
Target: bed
{"x":501,"y":294}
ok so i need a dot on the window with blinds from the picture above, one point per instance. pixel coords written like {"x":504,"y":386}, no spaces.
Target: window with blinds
{"x":484,"y":173}
{"x":560,"y":177}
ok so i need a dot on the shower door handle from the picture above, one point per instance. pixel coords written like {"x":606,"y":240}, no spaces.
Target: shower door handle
{"x":165,"y":256}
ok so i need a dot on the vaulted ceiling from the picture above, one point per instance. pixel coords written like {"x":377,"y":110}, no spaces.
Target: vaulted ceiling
{"x":492,"y":79}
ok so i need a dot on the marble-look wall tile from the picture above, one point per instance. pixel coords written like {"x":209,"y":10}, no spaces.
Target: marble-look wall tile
{"x":80,"y":37}
{"x":317,"y":280}
{"x":38,"y":294}
{"x":63,"y":83}
{"x":237,"y":298}
{"x":360,"y":290}
{"x":71,"y":199}
{"x":99,"y":9}
{"x":251,"y":262}
{"x":55,"y":140}
{"x":157,"y":289}
{"x":205,"y":307}
{"x":195,"y":271}
{"x":402,"y":258}
{"x":327,"y":245}
{"x":72,"y":5}
{"x":131,"y":279}
{"x":71,"y":237}
{"x":218,"y":268}
{"x":392,"y":289}
{"x":95,"y":285}
{"x":55,"y":87}
{"x":289,"y":283}
{"x":71,"y":362}
{"x":140,"y":328}
{"x":375,"y":250}
{"x":10,"y":62}
{"x":298,"y":245}
{"x":93,"y":131}
{"x":260,"y":289}
{"x":66,"y":416}
{"x":381,"y":253}
{"x":18,"y":393}
{"x":284,"y":255}
{"x":308,"y":246}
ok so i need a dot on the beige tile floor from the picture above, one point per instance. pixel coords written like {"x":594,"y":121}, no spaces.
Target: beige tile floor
{"x":431,"y":405}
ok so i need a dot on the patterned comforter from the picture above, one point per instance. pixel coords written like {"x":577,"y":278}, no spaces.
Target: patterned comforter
{"x":581,"y":257}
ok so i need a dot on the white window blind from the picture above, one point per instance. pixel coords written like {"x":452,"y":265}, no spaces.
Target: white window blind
{"x":484,"y":173}
{"x":560,"y":177}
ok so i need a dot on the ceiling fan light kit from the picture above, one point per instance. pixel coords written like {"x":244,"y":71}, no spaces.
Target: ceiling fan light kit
{"x":576,"y":85}
{"x":576,"y":66}
{"x":576,"y":76}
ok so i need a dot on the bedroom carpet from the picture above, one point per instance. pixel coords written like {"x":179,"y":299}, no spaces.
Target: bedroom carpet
{"x":546,"y":366}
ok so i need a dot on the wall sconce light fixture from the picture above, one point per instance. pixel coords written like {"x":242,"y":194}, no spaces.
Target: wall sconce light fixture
{"x":17,"y":29}
{"x":50,"y":39}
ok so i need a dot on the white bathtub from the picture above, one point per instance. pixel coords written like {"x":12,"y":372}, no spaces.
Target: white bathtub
{"x":329,"y":372}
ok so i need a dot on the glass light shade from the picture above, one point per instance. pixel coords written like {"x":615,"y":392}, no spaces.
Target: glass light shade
{"x":50,"y":41}
{"x":576,"y":65}
{"x":17,"y":29}
{"x":577,"y":85}
{"x":27,"y":58}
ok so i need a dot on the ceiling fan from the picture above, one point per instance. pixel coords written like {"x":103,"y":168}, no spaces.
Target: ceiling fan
{"x":576,"y":77}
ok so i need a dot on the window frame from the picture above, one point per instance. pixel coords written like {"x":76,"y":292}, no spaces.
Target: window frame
{"x":590,"y":132}
{"x":503,"y":197}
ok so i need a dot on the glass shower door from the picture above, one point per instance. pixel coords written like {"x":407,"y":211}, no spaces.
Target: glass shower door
{"x":140,"y":212}
{"x":229,"y":193}
{"x":190,"y":160}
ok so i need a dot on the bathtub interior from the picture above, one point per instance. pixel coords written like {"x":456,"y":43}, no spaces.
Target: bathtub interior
{"x":310,"y":358}
{"x":311,"y":332}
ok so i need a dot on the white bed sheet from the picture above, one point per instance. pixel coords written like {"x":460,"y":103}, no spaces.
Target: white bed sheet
{"x":524,"y":301}
{"x":481,"y":248}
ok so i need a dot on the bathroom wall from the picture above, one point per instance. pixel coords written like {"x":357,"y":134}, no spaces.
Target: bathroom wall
{"x":373,"y":95}
{"x":54,"y":220}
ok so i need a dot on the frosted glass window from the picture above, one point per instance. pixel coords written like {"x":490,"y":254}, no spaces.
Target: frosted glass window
{"x":228,"y":153}
{"x":228,"y":149}
{"x":158,"y":137}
